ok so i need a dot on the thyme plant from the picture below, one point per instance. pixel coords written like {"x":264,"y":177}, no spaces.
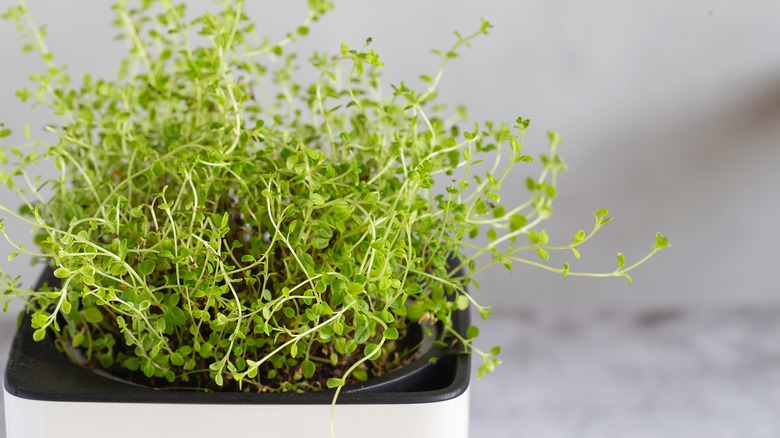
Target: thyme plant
{"x":207,"y":238}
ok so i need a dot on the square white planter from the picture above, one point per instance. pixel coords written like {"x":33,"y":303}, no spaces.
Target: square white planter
{"x":26,"y":418}
{"x":47,"y":396}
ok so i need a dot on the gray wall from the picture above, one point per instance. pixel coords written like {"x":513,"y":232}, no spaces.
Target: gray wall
{"x":670,"y":113}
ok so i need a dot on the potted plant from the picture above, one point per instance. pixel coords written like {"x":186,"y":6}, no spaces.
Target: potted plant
{"x":208,"y":248}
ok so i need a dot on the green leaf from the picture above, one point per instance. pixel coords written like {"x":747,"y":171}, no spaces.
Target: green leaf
{"x":206,"y":350}
{"x":78,"y":339}
{"x":147,"y":267}
{"x":372,"y":351}
{"x":661,"y":242}
{"x":160,"y":325}
{"x":225,"y":219}
{"x":93,"y":315}
{"x":5,"y":132}
{"x":415,"y":311}
{"x":147,"y":367}
{"x":350,"y":346}
{"x":62,"y":272}
{"x":621,"y":261}
{"x":334,"y":382}
{"x":371,"y":198}
{"x":462,"y":302}
{"x":158,"y":168}
{"x":308,"y":368}
{"x":175,"y":316}
{"x":481,"y":207}
{"x":320,"y":243}
{"x":316,"y":199}
{"x":294,"y":349}
{"x":132,"y":363}
{"x":386,"y":316}
{"x":362,"y":333}
{"x":352,"y":288}
{"x":553,"y":137}
{"x":522,"y":123}
{"x":39,"y":334}
{"x":472,"y":332}
{"x":517,"y":221}
{"x":177,"y":359}
{"x":391,"y":333}
{"x":360,"y":374}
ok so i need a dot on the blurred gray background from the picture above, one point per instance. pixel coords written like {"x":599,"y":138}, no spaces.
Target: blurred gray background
{"x":670,"y":114}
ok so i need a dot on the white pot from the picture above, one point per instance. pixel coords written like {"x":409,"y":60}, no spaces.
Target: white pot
{"x":27,"y":418}
{"x":46,"y":396}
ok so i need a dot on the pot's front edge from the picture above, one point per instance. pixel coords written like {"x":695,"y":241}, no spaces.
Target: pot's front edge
{"x":27,"y":418}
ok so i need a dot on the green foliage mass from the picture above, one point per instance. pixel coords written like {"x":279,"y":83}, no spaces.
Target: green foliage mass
{"x":209,"y":237}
